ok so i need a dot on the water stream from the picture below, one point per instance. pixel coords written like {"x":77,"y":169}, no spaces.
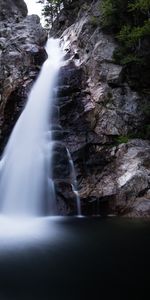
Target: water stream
{"x":25,"y":175}
{"x":74,"y":183}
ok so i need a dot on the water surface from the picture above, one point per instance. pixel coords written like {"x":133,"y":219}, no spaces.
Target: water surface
{"x":74,"y":258}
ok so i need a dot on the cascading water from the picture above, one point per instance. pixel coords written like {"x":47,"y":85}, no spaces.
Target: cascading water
{"x":74,"y":183}
{"x":25,"y":166}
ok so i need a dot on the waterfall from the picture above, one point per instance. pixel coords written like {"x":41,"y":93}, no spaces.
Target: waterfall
{"x":74,"y":183}
{"x":25,"y":173}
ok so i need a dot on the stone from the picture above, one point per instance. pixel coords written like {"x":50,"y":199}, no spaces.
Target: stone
{"x":141,"y":208}
{"x":114,"y":75}
{"x":22,"y":41}
{"x":13,"y":10}
{"x":102,"y":108}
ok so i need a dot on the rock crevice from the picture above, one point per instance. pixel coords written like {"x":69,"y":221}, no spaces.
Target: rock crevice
{"x":100,"y":115}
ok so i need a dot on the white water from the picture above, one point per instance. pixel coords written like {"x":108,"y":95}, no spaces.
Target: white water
{"x":25,"y":177}
{"x":74,"y":183}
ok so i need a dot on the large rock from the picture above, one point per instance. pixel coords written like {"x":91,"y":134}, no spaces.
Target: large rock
{"x":12,"y":9}
{"x":125,"y":180}
{"x":21,"y":54}
{"x":98,"y":110}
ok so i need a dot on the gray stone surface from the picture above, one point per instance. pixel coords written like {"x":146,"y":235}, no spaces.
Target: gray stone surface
{"x":104,"y":108}
{"x":21,"y":54}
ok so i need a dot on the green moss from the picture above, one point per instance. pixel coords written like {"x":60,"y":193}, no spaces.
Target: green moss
{"x":122,"y":139}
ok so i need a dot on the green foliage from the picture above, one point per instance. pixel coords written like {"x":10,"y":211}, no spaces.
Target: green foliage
{"x":141,"y":5}
{"x":121,"y":139}
{"x":122,"y":57}
{"x":144,"y":133}
{"x":108,"y":11}
{"x":129,"y":36}
{"x":51,"y":10}
{"x":113,"y":13}
{"x":130,"y":20}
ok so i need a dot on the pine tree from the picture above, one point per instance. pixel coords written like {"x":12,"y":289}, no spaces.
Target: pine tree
{"x":52,"y":9}
{"x":130,"y":20}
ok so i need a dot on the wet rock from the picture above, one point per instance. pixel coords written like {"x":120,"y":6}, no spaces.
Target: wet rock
{"x":141,"y":208}
{"x":102,"y":108}
{"x":66,"y":199}
{"x":21,"y":55}
{"x":124,"y":178}
{"x":60,"y":162}
{"x":70,"y":76}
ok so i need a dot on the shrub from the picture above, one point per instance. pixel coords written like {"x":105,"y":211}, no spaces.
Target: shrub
{"x":131,"y":23}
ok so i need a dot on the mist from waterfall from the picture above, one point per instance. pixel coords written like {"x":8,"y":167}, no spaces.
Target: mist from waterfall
{"x":25,"y":173}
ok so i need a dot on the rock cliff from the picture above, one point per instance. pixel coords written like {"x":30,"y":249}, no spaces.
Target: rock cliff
{"x":101,"y":117}
{"x":21,"y":54}
{"x":100,"y":114}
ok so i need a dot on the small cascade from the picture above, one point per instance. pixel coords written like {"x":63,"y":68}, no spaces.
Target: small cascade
{"x":74,"y":183}
{"x":63,"y":170}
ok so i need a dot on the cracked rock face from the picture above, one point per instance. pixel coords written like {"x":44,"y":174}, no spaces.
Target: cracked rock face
{"x":96,"y":108}
{"x":21,"y":54}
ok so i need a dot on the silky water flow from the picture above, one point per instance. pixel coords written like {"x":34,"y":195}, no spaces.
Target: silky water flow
{"x":25,"y":167}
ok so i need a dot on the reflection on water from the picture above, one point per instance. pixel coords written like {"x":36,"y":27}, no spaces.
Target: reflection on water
{"x":22,"y":232}
{"x":72,"y":258}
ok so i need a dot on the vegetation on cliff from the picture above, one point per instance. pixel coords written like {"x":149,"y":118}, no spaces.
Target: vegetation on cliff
{"x":130,"y":21}
{"x":52,"y":8}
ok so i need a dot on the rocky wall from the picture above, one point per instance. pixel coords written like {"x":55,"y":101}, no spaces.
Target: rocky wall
{"x":100,"y":114}
{"x":22,"y":39}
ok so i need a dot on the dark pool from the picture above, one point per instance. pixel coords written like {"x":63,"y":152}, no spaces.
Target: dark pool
{"x":76,"y":258}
